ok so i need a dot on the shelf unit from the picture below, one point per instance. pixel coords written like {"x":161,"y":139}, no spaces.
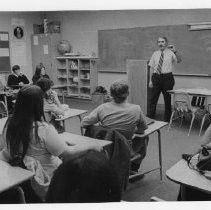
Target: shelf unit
{"x":78,"y":74}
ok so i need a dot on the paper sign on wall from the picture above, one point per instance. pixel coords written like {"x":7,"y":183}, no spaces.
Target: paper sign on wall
{"x":4,"y":52}
{"x":45,"y":49}
{"x":35,"y":40}
{"x":19,"y":53}
{"x":4,"y":37}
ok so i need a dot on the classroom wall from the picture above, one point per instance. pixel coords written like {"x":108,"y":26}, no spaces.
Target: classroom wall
{"x":6,"y":25}
{"x":81,"y":29}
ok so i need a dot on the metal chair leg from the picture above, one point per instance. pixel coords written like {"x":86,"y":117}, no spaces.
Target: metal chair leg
{"x":193,"y":117}
{"x":182,"y":116}
{"x":171,"y":119}
{"x":202,"y":124}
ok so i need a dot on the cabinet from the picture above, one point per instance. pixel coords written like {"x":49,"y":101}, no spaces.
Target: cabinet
{"x":78,"y":74}
{"x":44,"y":49}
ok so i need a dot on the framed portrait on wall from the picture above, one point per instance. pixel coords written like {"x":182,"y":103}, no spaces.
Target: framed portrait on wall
{"x":18,"y":32}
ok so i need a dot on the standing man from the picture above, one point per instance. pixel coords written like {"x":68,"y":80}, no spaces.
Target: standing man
{"x":161,"y":77}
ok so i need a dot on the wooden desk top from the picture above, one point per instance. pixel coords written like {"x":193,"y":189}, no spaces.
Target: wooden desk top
{"x":59,"y":86}
{"x":9,"y":92}
{"x":180,"y":173}
{"x":193,"y":91}
{"x":71,"y":113}
{"x":74,"y":139}
{"x":12,"y":176}
{"x":156,"y":125}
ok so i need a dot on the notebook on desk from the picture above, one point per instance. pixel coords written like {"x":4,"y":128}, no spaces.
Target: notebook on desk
{"x":149,"y":120}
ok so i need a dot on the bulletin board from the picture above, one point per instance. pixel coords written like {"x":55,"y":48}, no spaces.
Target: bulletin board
{"x":117,"y":45}
{"x":4,"y":53}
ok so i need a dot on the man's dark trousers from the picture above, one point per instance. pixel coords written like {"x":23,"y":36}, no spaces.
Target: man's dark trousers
{"x":161,"y":83}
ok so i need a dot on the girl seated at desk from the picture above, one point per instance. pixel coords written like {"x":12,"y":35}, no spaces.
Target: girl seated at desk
{"x":26,"y":135}
{"x":52,"y":106}
{"x":39,"y":73}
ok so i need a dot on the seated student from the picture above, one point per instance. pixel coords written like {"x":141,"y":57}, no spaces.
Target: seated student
{"x":26,"y":135}
{"x":51,"y":100}
{"x":190,"y":193}
{"x":16,"y":79}
{"x":122,"y":116}
{"x":87,"y":179}
{"x":52,"y":105}
{"x":39,"y":73}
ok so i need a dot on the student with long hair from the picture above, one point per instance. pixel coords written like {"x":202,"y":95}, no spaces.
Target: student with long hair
{"x":87,"y":179}
{"x":27,"y":134}
{"x":39,"y":73}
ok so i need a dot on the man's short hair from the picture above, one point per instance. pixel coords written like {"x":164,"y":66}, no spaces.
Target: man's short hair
{"x":119,"y":91}
{"x":15,"y":67}
{"x":163,"y":37}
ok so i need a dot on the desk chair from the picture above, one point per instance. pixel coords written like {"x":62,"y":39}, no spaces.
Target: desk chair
{"x":198,"y":101}
{"x":50,"y":118}
{"x":3,"y":110}
{"x":208,"y":113}
{"x":182,"y":105}
{"x":12,"y":196}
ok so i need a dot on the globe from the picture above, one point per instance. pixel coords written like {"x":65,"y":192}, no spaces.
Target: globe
{"x":64,"y":47}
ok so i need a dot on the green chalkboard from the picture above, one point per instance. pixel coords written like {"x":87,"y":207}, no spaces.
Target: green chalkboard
{"x":117,"y":45}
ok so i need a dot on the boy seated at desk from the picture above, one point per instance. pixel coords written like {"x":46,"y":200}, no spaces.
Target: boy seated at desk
{"x":16,"y":79}
{"x":122,"y":116}
{"x":52,"y":106}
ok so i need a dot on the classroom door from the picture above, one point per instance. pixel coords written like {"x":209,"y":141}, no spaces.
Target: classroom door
{"x":46,"y":54}
{"x":44,"y":49}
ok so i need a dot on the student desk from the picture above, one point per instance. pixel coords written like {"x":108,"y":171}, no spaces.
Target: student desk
{"x":2,"y":123}
{"x":11,"y":176}
{"x":6,"y":94}
{"x":181,"y":174}
{"x":62,"y":87}
{"x":72,"y":113}
{"x":153,"y":127}
{"x":73,"y":139}
{"x":192,"y":91}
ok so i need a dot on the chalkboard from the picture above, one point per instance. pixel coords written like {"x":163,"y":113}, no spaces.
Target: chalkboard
{"x":117,"y":45}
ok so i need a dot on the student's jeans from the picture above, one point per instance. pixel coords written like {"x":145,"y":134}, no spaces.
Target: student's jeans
{"x":139,"y":146}
{"x":161,"y":83}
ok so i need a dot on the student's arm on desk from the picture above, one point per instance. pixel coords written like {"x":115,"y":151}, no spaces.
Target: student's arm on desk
{"x":57,"y":147}
{"x":91,"y":119}
{"x":54,"y":93}
{"x":142,"y":124}
{"x":53,"y":108}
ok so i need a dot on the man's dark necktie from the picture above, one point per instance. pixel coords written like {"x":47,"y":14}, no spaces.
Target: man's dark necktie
{"x":159,"y":68}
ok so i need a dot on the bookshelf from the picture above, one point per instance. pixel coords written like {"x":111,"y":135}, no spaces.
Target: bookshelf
{"x":78,"y":74}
